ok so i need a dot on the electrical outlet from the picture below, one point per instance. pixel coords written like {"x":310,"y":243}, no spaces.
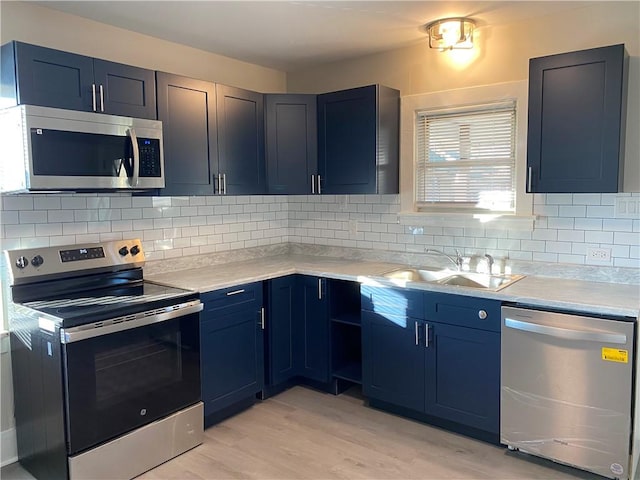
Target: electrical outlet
{"x":599,"y":254}
{"x":353,"y":227}
{"x":627,"y":207}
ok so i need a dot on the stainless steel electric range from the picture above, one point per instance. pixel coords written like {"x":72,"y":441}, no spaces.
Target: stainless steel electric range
{"x":106,"y":365}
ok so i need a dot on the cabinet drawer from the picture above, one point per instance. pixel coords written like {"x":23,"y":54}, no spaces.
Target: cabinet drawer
{"x":233,"y":297}
{"x":472,"y":312}
{"x":395,"y":301}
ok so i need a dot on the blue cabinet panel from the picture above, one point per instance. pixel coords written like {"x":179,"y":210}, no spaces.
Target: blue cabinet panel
{"x":313,"y":329}
{"x":394,"y":301}
{"x":462,"y":376}
{"x":393,"y":359}
{"x":127,"y":91}
{"x":281,"y":364}
{"x":358,"y":140}
{"x":52,"y":78}
{"x":241,"y":140}
{"x":232,"y":346}
{"x":291,"y":136}
{"x":473,"y":312}
{"x":576,"y":121}
{"x":187,"y":108}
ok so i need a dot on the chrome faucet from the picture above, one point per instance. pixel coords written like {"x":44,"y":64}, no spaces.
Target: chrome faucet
{"x":489,"y":262}
{"x":456,"y":261}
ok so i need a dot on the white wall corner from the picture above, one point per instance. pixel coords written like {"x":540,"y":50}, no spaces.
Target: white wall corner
{"x":8,"y":447}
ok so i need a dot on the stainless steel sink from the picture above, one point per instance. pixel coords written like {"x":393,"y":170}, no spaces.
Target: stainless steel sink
{"x":480,"y":280}
{"x":450,"y":277}
{"x":420,"y":274}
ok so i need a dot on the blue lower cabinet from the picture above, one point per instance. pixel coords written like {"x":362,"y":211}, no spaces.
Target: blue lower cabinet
{"x":446,"y":371}
{"x":312,"y":319}
{"x":297,"y":329}
{"x":281,"y":365}
{"x":392,"y":359}
{"x":232,"y":347}
{"x":462,"y":376}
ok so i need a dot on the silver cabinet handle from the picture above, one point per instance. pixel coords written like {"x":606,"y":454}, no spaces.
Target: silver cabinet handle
{"x":101,"y":98}
{"x":220,"y":184}
{"x":262,"y":317}
{"x":482,"y":314}
{"x":417,"y":334}
{"x":566,"y":333}
{"x":235,"y":292}
{"x":530,"y":172}
{"x":93,"y":97}
{"x":319,"y":289}
{"x":426,"y":335}
{"x":224,"y":184}
{"x":319,"y":187}
{"x":136,"y":157}
{"x":313,"y":184}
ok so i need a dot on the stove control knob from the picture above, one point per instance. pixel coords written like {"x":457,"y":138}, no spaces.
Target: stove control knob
{"x":37,"y":261}
{"x":135,"y":250}
{"x":123,"y":251}
{"x":22,"y":262}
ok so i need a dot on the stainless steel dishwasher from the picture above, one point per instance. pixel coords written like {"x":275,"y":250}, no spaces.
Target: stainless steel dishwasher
{"x":566,"y":389}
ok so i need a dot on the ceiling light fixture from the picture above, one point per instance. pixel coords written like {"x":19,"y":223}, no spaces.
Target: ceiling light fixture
{"x":451,"y":33}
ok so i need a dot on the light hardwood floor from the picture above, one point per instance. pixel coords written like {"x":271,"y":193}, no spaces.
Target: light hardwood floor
{"x":305,"y":434}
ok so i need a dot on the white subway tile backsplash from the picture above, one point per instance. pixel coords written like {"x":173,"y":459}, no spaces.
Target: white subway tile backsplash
{"x":173,"y":226}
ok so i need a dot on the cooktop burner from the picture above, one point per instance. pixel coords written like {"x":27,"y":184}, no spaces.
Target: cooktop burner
{"x":88,"y":307}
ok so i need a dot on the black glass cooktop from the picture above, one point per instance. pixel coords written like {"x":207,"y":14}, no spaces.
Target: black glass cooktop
{"x":106,"y":303}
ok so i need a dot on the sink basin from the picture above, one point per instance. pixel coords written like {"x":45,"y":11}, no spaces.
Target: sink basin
{"x":480,"y":280}
{"x":420,"y":274}
{"x":449,"y":277}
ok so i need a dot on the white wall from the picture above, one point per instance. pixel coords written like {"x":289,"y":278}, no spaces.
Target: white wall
{"x":502,"y":55}
{"x":32,"y":23}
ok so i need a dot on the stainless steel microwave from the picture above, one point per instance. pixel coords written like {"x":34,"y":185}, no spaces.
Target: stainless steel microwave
{"x":51,"y":149}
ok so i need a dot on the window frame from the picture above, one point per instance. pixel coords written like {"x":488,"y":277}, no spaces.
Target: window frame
{"x":479,"y":95}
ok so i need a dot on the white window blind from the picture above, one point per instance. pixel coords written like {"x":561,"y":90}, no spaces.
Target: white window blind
{"x":465,"y":158}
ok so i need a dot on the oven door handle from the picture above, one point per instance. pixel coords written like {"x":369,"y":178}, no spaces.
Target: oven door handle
{"x":120,"y":324}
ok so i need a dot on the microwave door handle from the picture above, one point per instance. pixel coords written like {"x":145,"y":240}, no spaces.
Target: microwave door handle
{"x":136,"y":157}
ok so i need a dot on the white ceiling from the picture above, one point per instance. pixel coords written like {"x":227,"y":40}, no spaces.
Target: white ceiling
{"x":291,"y":35}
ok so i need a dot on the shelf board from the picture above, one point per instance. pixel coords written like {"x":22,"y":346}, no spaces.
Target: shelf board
{"x":348,"y":319}
{"x":351,"y":372}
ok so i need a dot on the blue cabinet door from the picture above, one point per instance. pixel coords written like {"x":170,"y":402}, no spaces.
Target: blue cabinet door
{"x":393,"y":359}
{"x":281,"y":329}
{"x":36,"y":75}
{"x":358,"y":140}
{"x":241,"y":140}
{"x":187,"y":108}
{"x":126,"y":90}
{"x":462,"y":376}
{"x":48,"y":77}
{"x":231,"y":346}
{"x":231,"y":358}
{"x":312,"y":323}
{"x":291,"y":136}
{"x":576,"y":121}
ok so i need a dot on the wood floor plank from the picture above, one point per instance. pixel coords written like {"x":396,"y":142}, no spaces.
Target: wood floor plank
{"x":303,"y":434}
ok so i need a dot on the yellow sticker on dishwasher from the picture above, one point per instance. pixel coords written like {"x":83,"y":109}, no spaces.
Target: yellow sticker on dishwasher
{"x":615,"y":355}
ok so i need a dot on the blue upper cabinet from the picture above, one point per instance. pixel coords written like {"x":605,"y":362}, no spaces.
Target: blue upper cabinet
{"x":36,"y":75}
{"x":358,"y":140}
{"x":187,"y":108}
{"x":291,"y":137}
{"x":240,"y":141}
{"x":577,"y":121}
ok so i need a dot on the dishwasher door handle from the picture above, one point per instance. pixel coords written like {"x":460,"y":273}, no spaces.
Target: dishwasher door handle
{"x":566,"y":333}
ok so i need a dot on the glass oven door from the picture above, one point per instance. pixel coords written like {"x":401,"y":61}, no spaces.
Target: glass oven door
{"x":122,"y":380}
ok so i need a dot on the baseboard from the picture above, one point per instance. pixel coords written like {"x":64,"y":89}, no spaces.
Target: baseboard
{"x":8,"y":449}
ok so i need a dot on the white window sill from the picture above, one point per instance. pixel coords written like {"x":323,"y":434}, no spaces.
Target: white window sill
{"x":467,"y":220}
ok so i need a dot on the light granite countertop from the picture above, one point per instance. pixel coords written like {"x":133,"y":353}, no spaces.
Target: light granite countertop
{"x":536,"y":291}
